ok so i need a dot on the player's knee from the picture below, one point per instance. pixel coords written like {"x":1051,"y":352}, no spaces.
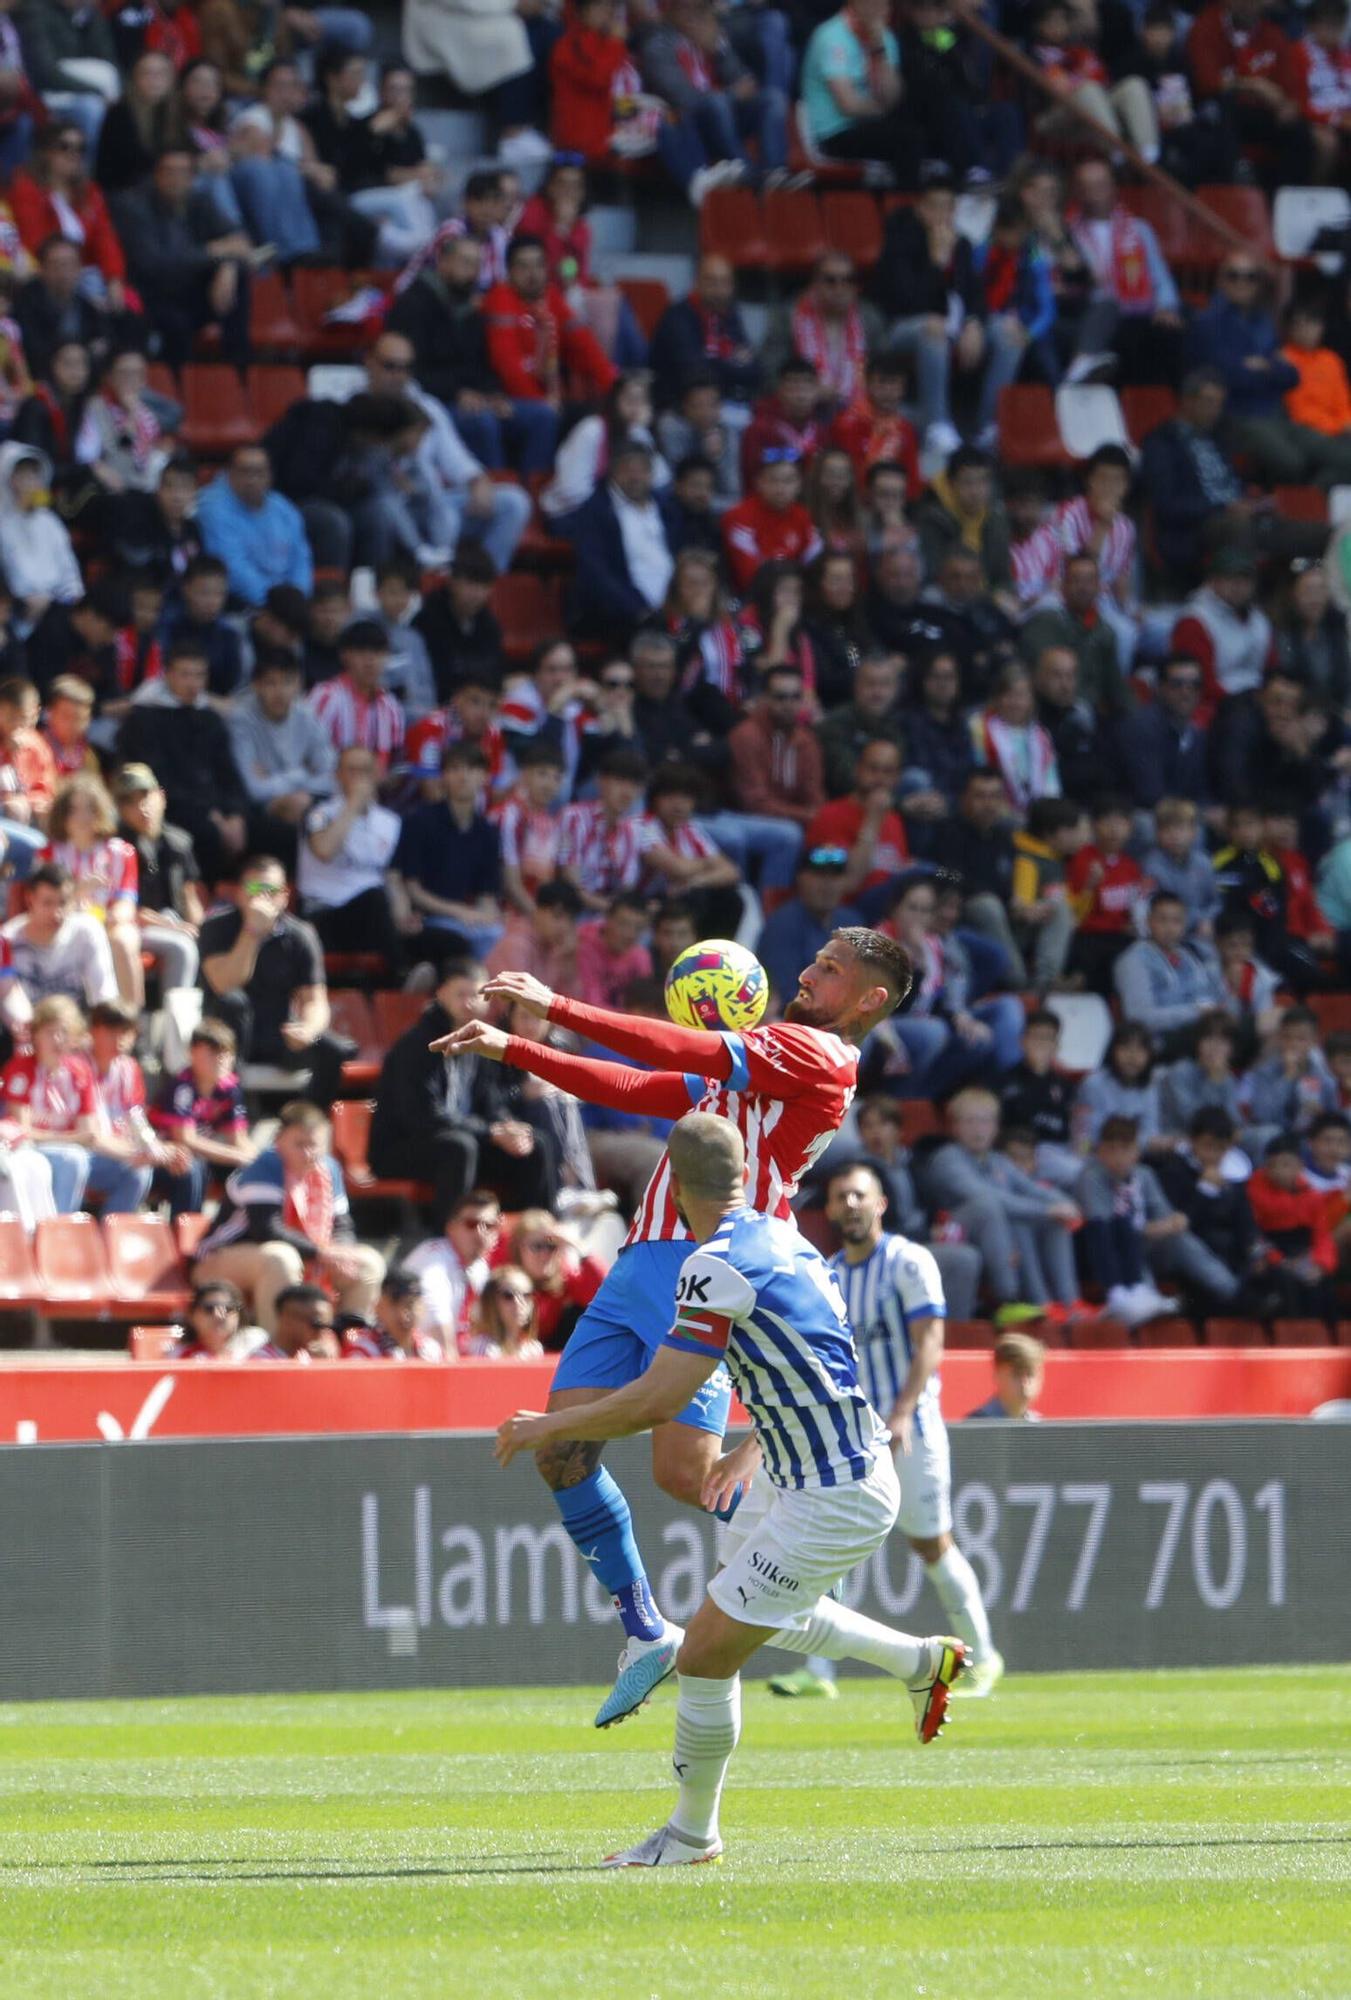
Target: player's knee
{"x":567,"y":1463}
{"x":931,"y":1548}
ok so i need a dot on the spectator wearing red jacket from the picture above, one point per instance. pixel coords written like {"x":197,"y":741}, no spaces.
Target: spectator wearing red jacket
{"x":1240,"y":58}
{"x":539,"y":350}
{"x":1105,"y":886}
{"x":1323,"y":69}
{"x":1280,"y":839}
{"x":873,"y":430}
{"x":787,"y":420}
{"x":1293,"y":1216}
{"x":865,"y":823}
{"x":53,"y":196}
{"x":772,"y":525}
{"x":777,"y":766}
{"x":596,"y":85}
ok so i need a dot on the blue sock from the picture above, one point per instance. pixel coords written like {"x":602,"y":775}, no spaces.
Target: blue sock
{"x":597,"y":1517}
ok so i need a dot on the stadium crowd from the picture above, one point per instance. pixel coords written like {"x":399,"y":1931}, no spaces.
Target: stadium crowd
{"x":539,"y":631}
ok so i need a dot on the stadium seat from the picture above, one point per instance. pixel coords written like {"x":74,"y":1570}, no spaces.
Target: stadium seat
{"x":1300,"y":212}
{"x":1088,"y":415}
{"x":1245,"y":210}
{"x":919,"y":1120}
{"x":1157,"y":207}
{"x":852,"y":225}
{"x":144,"y":1265}
{"x":1235,"y":1333}
{"x":794,"y":235}
{"x":273,"y":326}
{"x":803,"y":158}
{"x":649,"y":298}
{"x":1302,"y":503}
{"x":316,"y":291}
{"x":730,"y":225}
{"x":71,"y":1265}
{"x":352,"y":968}
{"x":151,"y":1343}
{"x":350,"y":1016}
{"x":272,"y":390}
{"x":217,"y":412}
{"x":19,"y":1284}
{"x":394,"y":1011}
{"x":1300,"y":1333}
{"x":1145,"y":409}
{"x":1175,"y":1332}
{"x":966,"y":1335}
{"x":1028,"y":432}
{"x":528,"y":608}
{"x":1332,"y":1010}
{"x":1085,"y":1029}
{"x":1088,"y":1334}
{"x":351,"y":1137}
{"x":188,"y":1233}
{"x":161,"y":380}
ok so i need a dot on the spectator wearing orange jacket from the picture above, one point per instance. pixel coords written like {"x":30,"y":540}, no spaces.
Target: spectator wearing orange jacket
{"x":540,"y":351}
{"x":1319,"y":406}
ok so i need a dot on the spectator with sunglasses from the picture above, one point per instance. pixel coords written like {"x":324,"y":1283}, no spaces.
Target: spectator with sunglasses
{"x":564,"y":1281}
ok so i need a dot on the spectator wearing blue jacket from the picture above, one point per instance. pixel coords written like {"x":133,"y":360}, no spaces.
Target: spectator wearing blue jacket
{"x":1163,"y":983}
{"x":704,"y":334}
{"x":1162,"y":745}
{"x":1237,"y":337}
{"x":257,"y":534}
{"x":623,"y":537}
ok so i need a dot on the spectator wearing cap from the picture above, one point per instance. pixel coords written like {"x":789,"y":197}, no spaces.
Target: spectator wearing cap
{"x":771,"y":525}
{"x":928,"y":286}
{"x":172,"y":727}
{"x":623,"y":541}
{"x":263,"y":974}
{"x":258,"y":534}
{"x":704,"y":333}
{"x":396,"y":1331}
{"x":801,"y":926}
{"x":342,"y":878}
{"x":355,"y":708}
{"x":170,"y":907}
{"x":449,"y":859}
{"x":283,"y":752}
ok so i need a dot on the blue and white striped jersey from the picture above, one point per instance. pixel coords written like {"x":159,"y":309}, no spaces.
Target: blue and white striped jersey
{"x":757,"y":1296}
{"x":896,"y":1284}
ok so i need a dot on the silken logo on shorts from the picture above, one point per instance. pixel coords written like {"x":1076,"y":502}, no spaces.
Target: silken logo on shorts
{"x":771,"y":1573}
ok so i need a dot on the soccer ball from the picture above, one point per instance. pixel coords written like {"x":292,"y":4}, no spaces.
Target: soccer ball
{"x":717,"y":984}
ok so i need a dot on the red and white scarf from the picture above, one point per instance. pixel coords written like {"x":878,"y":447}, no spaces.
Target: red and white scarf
{"x":309,"y":1206}
{"x":138,"y":427}
{"x":838,"y":353}
{"x":1024,"y":758}
{"x":696,"y":66}
{"x":1124,"y":271}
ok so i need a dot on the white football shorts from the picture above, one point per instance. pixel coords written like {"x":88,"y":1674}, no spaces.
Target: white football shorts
{"x":798,"y":1542}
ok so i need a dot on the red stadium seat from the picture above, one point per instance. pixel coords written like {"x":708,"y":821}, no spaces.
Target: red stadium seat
{"x":730,"y":225}
{"x":1097,"y":1333}
{"x":968,"y":1335}
{"x":217,"y":412}
{"x":529,"y":609}
{"x":352,"y":968}
{"x":824,"y":171}
{"x":273,"y":388}
{"x":1028,"y":432}
{"x":188,"y":1233}
{"x":20,"y":1287}
{"x":351,"y":1138}
{"x":161,"y":380}
{"x":1168,"y":221}
{"x":1145,"y":409}
{"x":144,"y":1265}
{"x":393,"y":1012}
{"x":1302,"y":503}
{"x":316,"y":290}
{"x":919,"y":1120}
{"x":794,"y":236}
{"x":1246,"y":211}
{"x":649,"y":298}
{"x":853,"y":225}
{"x":273,"y":326}
{"x":1333,"y":1011}
{"x":1235,"y":1333}
{"x":819,"y":1230}
{"x":350,"y":1016}
{"x":1175,"y":1332}
{"x":151,"y":1343}
{"x":1301,"y":1333}
{"x":71,"y":1266}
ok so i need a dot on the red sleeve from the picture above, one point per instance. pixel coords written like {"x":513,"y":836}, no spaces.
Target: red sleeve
{"x":661,"y":1093}
{"x":784,"y":1061}
{"x":102,"y":245}
{"x":85,"y":1085}
{"x":741,"y":546}
{"x":1207,"y":53}
{"x":504,"y":347}
{"x":32,"y":217}
{"x":584,"y":355}
{"x":644,"y":1037}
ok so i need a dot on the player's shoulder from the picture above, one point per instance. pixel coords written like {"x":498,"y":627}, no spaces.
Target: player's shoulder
{"x":715,"y":1275}
{"x":794,"y":1043}
{"x":913,"y":1268}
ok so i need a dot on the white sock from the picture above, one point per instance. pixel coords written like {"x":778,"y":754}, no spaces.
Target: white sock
{"x":836,"y":1633}
{"x":958,"y":1592}
{"x":708,"y":1723}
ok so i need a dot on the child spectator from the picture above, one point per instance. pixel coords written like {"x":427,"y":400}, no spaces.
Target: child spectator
{"x":1206,"y":1178}
{"x":1162,"y":981}
{"x":468,"y":717}
{"x":1131,"y":1229}
{"x":610,"y":952}
{"x":408,"y":673}
{"x":1288,"y":1089}
{"x":1106,"y":887}
{"x":35,"y":548}
{"x":70,"y":709}
{"x":1337,"y":1049}
{"x":598,"y":105}
{"x":1178,"y":864}
{"x":529,"y":824}
{"x":125,"y":1134}
{"x":201,"y":1111}
{"x":599,"y":839}
{"x":1077,"y":76}
{"x":1251,"y":881}
{"x":1019,"y":1370}
{"x":1018,"y":288}
{"x":1250,"y":987}
{"x":1039,"y":1098}
{"x":1281,"y":839}
{"x":1301,"y":1254}
{"x":1321,"y":399}
{"x":51,"y":1096}
{"x":84,"y":841}
{"x":1006,"y":737}
{"x":1205,"y":1081}
{"x":1125,"y":1087}
{"x":873,"y":428}
{"x":1327,"y":1161}
{"x":772,"y":525}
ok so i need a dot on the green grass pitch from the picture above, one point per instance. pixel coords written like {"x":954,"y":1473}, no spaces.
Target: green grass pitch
{"x":1103,"y":1835}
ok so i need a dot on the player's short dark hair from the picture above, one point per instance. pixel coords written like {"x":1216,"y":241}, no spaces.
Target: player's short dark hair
{"x":1019,"y":1350}
{"x":854,"y":1167}
{"x":1210,"y":1122}
{"x":885,"y":956}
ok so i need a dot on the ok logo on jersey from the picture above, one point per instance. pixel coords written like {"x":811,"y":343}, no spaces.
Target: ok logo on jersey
{"x":692,"y":1291}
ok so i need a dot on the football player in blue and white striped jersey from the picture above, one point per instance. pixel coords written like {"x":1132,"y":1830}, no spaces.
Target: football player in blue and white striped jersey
{"x":756,"y":1297}
{"x":893,"y":1295}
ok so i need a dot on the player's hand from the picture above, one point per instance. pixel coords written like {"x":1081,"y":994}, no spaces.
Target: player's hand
{"x":735,"y":1468}
{"x":520,"y":989}
{"x":524,"y":1432}
{"x":901,"y":1429}
{"x":475,"y":1038}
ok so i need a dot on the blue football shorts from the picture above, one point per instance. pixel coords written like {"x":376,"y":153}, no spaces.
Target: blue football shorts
{"x":624,"y":1325}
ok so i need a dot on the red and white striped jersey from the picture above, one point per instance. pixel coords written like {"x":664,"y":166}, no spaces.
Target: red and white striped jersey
{"x":58,"y":1098}
{"x":1036,"y":563}
{"x":437,"y":731}
{"x":121,"y":1089}
{"x":1074,"y":525}
{"x":788,"y":1092}
{"x":530,"y":840}
{"x":104,"y":874}
{"x":605,"y":854}
{"x":688,"y":840}
{"x":352,"y":721}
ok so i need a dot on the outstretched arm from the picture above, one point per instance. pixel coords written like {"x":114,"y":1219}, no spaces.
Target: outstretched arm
{"x":654,"y":1398}
{"x":639,"y":1036}
{"x":658,"y":1093}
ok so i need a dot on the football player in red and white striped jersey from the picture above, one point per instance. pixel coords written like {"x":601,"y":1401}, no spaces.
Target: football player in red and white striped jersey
{"x":786,"y":1086}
